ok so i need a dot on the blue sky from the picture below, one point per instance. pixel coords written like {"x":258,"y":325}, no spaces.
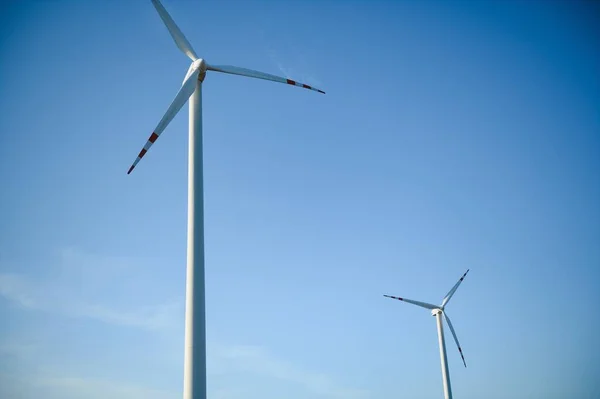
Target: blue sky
{"x":453,"y":135}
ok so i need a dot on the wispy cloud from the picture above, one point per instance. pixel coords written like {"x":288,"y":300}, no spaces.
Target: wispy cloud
{"x":258,"y":360}
{"x":15,"y":288}
{"x":25,"y":373}
{"x":228,"y":362}
{"x":74,"y":289}
{"x":76,"y":286}
{"x":66,"y":387}
{"x":16,"y":349}
{"x":292,"y":73}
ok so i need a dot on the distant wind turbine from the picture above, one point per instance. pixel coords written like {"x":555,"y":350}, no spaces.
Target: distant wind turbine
{"x":194,"y":378}
{"x":437,"y":311}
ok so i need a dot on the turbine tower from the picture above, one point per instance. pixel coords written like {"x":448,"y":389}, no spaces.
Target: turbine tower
{"x":194,"y":375}
{"x":438,"y":311}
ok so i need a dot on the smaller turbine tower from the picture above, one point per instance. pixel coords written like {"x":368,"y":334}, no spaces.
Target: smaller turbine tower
{"x":438,"y":311}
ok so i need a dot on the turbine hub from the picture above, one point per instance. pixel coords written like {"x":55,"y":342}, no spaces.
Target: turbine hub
{"x":435,"y":312}
{"x":200,"y":64}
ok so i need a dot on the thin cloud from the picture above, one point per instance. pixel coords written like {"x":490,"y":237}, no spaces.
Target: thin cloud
{"x":291,"y":73}
{"x":65,"y":387}
{"x":258,"y":360}
{"x":59,"y":292}
{"x":28,"y":374}
{"x":73,"y":287}
{"x":14,"y":288}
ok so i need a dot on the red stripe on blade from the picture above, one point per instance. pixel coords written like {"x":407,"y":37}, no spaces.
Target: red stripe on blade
{"x":153,"y":137}
{"x":142,"y":153}
{"x":291,"y":82}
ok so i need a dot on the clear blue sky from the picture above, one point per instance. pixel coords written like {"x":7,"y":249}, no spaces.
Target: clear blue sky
{"x":453,"y":135}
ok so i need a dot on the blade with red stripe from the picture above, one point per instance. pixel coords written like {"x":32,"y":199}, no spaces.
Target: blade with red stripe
{"x":421,"y":304}
{"x":455,"y":338}
{"x":259,"y":75}
{"x":188,"y":87}
{"x":453,"y":290}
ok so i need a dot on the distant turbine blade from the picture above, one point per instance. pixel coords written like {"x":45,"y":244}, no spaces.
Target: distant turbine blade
{"x":421,"y":304}
{"x":188,"y":87}
{"x":455,"y":338}
{"x":259,"y":75}
{"x":176,"y":33}
{"x":453,"y":290}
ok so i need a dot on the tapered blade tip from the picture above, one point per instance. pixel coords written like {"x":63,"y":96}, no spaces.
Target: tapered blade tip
{"x":130,"y":169}
{"x":394,"y":297}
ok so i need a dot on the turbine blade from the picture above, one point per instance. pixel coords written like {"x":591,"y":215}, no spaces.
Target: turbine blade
{"x":455,"y":338}
{"x":453,"y":290}
{"x":186,"y":90}
{"x":176,"y":33}
{"x":421,"y":304}
{"x":259,"y":75}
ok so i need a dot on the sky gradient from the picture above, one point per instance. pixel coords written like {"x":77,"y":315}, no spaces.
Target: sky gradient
{"x":453,"y":135}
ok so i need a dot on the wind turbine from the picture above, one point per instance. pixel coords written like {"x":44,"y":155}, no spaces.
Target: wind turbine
{"x":194,"y":375}
{"x":438,"y":311}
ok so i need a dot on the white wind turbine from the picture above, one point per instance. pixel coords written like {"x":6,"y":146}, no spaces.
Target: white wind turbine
{"x":437,"y":311}
{"x":194,"y":378}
